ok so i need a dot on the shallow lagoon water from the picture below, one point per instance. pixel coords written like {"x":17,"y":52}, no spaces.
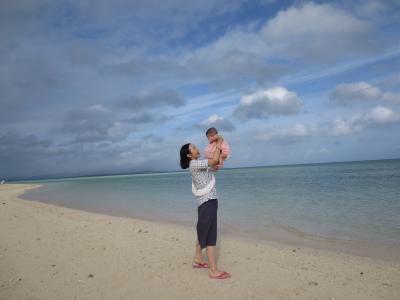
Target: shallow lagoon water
{"x":357,"y":201}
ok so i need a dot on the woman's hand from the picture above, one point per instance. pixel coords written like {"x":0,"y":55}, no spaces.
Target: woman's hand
{"x":220,"y":139}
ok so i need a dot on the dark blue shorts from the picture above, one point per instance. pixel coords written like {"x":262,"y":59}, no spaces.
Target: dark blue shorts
{"x":207,"y":223}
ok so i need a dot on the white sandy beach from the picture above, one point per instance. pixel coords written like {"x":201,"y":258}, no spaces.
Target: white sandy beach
{"x":52,"y":252}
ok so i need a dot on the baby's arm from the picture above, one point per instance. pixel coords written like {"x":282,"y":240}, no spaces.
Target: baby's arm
{"x":225,"y":151}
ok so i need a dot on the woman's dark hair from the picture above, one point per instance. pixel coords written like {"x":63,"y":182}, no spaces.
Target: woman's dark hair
{"x":185,"y":160}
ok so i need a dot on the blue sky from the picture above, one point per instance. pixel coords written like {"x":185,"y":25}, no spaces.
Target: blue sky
{"x":102,"y":86}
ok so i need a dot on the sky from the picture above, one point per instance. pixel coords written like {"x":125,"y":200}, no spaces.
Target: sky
{"x":98,"y":87}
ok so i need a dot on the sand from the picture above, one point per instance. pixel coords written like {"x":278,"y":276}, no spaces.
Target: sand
{"x":52,"y":252}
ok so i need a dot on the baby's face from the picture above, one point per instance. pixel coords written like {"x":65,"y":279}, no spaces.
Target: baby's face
{"x":212,"y":137}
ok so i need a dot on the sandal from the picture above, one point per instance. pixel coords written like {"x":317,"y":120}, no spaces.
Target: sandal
{"x":203,"y":265}
{"x":223,"y":275}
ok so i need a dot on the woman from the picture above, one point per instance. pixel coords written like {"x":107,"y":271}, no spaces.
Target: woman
{"x":203,"y":186}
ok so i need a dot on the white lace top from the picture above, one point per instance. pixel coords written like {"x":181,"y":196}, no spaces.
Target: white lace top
{"x":201,"y":177}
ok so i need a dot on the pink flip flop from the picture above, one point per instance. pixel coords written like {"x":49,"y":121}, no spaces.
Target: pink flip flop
{"x":203,"y":265}
{"x":223,"y":275}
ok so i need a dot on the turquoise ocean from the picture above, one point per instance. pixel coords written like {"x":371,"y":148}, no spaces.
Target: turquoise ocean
{"x":349,"y":201}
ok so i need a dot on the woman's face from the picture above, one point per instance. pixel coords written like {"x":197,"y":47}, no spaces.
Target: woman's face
{"x":194,"y":152}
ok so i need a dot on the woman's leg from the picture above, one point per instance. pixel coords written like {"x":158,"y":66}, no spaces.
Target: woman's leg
{"x":214,"y":272}
{"x":207,"y":234}
{"x":198,"y":255}
{"x":211,"y":254}
{"x":212,"y":241}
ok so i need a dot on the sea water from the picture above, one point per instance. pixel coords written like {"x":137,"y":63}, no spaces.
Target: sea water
{"x":357,"y":201}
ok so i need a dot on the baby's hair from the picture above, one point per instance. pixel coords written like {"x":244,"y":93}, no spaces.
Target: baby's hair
{"x":211,"y":130}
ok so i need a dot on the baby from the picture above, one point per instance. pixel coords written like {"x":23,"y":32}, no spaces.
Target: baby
{"x":212,"y":136}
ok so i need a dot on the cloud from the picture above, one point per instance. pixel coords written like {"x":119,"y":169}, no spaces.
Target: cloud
{"x":347,"y":94}
{"x":61,"y":59}
{"x":94,"y":124}
{"x":264,"y":103}
{"x":12,"y":140}
{"x":144,"y":118}
{"x":146,"y":25}
{"x":218,"y":122}
{"x":386,"y":12}
{"x":318,"y":32}
{"x":144,"y":67}
{"x":30,"y":155}
{"x":377,"y":117}
{"x":293,"y":134}
{"x":319,"y":151}
{"x":20,"y":18}
{"x":239,"y":55}
{"x":148,"y":100}
{"x":380,"y":115}
{"x":341,"y":126}
{"x":24,"y":154}
{"x":309,"y":33}
{"x":25,"y":77}
{"x":392,"y":81}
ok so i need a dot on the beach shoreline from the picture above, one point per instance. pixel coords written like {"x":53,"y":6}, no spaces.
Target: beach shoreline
{"x":49,"y":251}
{"x":276,"y":235}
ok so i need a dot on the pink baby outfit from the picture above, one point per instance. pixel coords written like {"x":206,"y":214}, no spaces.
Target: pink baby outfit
{"x":210,"y":148}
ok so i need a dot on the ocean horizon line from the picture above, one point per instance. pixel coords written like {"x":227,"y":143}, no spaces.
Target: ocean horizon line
{"x":144,"y":172}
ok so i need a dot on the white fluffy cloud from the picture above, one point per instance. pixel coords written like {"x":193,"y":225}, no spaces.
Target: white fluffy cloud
{"x":218,"y":122}
{"x":378,"y":116}
{"x":263,"y":103}
{"x":381,"y":115}
{"x":301,"y":21}
{"x":317,"y":32}
{"x":342,"y":126}
{"x":311,"y":31}
{"x":349,"y":93}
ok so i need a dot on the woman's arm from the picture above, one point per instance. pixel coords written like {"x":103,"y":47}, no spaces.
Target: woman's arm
{"x":217,"y":153}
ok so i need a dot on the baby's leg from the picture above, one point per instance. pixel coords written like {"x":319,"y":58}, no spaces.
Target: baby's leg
{"x":222,"y":158}
{"x":220,"y":163}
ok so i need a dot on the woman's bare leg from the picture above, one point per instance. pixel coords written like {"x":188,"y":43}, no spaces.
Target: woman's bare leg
{"x":198,"y":255}
{"x":211,"y":254}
